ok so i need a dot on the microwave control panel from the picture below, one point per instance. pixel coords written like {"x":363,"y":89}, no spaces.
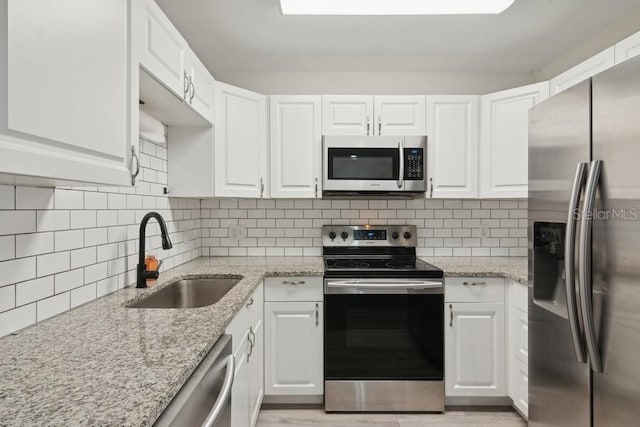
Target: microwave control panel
{"x":413,"y":164}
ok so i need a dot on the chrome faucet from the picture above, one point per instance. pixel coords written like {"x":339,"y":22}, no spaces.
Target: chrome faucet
{"x":143,"y":273}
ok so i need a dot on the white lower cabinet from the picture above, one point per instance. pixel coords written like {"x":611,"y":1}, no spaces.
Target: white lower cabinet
{"x":518,"y":352}
{"x":475,"y":337}
{"x":247,"y":332}
{"x":294,"y":337}
{"x":474,"y":349}
{"x":293,"y":360}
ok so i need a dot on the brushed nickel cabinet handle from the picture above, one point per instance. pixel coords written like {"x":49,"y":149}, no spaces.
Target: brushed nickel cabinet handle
{"x":473,"y":283}
{"x":292,"y":282}
{"x":185,"y":85}
{"x":261,"y":187}
{"x":368,"y":125}
{"x":450,"y":315}
{"x":379,"y":125}
{"x":134,"y":175}
{"x":317,"y":314}
{"x":316,"y":187}
{"x":431,"y":188}
{"x":193,"y":90}
{"x":250,"y":302}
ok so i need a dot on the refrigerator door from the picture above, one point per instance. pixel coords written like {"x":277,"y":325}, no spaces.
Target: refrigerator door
{"x":559,"y":142}
{"x":616,"y":246}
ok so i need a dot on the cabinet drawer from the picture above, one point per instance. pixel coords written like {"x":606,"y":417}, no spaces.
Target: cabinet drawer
{"x":520,"y":395}
{"x":521,"y":337}
{"x":293,"y":289}
{"x":474,"y":289}
{"x":247,"y":316}
{"x":520,"y":296}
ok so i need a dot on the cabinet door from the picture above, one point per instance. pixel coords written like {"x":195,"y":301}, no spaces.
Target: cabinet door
{"x":582,"y":71}
{"x":66,"y":105}
{"x":164,"y":50}
{"x":240,"y":143}
{"x":347,"y":115}
{"x":240,"y":390}
{"x":201,"y":91}
{"x":452,"y":146}
{"x":256,"y":372}
{"x":474,"y":349}
{"x":399,"y":115}
{"x":505,"y":138}
{"x":293,"y":348}
{"x":296,"y":146}
{"x":627,"y":48}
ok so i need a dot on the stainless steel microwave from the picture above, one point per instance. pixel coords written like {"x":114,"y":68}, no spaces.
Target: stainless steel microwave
{"x":374,"y":166}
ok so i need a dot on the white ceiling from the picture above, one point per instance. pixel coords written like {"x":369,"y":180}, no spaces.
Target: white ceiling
{"x":252,"y":35}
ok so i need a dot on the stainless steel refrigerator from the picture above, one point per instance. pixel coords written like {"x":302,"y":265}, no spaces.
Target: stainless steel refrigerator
{"x":584,"y":254}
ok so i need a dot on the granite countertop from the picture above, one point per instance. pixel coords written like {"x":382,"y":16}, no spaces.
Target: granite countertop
{"x":514,"y":268}
{"x":103,"y":364}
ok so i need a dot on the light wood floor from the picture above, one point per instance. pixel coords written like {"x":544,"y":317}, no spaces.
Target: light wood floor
{"x":317,"y":417}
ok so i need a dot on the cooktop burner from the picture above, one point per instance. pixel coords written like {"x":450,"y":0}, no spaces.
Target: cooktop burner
{"x":349,"y":264}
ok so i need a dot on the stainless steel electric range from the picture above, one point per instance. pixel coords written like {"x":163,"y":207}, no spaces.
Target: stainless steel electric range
{"x":384,"y":322}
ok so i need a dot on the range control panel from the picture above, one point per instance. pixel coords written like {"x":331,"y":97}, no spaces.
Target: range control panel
{"x":369,"y":235}
{"x":413,"y":164}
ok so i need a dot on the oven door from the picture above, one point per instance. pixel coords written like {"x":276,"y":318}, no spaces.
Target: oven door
{"x":373,"y":163}
{"x":384,"y":330}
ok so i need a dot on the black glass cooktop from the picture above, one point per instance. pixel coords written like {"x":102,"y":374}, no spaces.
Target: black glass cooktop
{"x":380,"y":267}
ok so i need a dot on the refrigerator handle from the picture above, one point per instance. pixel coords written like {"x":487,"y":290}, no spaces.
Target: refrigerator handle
{"x":569,"y":262}
{"x":584,"y":265}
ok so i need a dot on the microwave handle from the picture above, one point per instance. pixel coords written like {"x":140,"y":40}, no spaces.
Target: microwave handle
{"x":401,"y":172}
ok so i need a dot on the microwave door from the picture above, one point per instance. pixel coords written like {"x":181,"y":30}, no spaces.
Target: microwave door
{"x":371,"y":164}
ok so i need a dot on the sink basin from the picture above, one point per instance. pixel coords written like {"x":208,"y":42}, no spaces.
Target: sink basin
{"x":190,"y":293}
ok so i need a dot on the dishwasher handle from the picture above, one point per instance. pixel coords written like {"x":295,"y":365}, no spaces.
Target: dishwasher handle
{"x":224,"y":396}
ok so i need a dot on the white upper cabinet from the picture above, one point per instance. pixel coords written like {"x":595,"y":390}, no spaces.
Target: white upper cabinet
{"x":201,"y":89}
{"x":240,"y":156}
{"x":399,"y":115}
{"x":373,"y":115}
{"x":347,"y":115}
{"x":582,"y":71}
{"x":65,"y":101}
{"x":475,"y":349}
{"x":452,"y":146}
{"x":504,"y":140}
{"x":627,"y":48}
{"x":296,"y":146}
{"x":164,"y":50}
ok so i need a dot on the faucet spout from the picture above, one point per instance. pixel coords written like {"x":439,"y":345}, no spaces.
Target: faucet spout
{"x":142,"y":273}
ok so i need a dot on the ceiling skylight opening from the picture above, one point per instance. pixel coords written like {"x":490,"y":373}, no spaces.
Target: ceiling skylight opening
{"x":394,"y":7}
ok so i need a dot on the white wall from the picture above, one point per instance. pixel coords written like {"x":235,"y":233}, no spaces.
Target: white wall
{"x":431,"y":83}
{"x":595,"y":44}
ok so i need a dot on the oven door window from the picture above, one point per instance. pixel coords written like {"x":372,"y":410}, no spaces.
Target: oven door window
{"x":369,"y":164}
{"x":384,"y":337}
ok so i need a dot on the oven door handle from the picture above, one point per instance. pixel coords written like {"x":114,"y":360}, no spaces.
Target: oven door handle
{"x":384,"y":284}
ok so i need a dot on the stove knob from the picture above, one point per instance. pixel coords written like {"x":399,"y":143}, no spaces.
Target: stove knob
{"x":395,"y":235}
{"x":344,"y":235}
{"x":407,"y":235}
{"x":332,"y":235}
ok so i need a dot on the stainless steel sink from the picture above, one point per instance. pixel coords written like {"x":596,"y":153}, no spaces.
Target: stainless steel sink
{"x":188,"y":294}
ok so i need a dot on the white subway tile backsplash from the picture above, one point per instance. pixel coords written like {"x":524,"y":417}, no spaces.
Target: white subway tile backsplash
{"x":7,"y":248}
{"x":34,"y":290}
{"x":17,"y":270}
{"x":7,"y":298}
{"x":69,"y":199}
{"x":68,"y":280}
{"x":71,"y":239}
{"x":34,"y":198}
{"x":17,"y":222}
{"x":53,"y":263}
{"x":7,"y":197}
{"x":51,"y":220}
{"x":83,"y":219}
{"x":95,"y":200}
{"x":49,"y":307}
{"x":83,"y":295}
{"x":18,"y":318}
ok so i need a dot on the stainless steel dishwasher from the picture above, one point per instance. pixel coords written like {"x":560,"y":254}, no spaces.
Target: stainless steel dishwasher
{"x":205,"y":399}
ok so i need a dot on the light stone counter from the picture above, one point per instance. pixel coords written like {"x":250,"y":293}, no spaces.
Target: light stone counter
{"x":103,"y":364}
{"x":514,"y":268}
